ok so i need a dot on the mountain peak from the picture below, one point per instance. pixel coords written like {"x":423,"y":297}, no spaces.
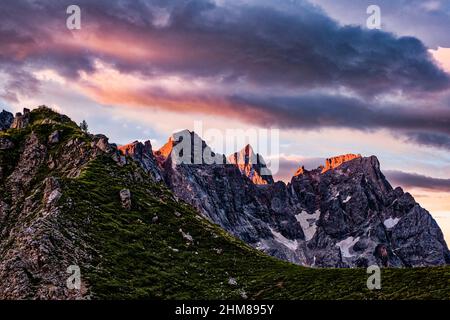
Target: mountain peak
{"x":199,"y":150}
{"x":301,"y":170}
{"x":248,"y":149}
{"x":136,"y":147}
{"x":251,"y":164}
{"x":245,"y":156}
{"x":164,"y":152}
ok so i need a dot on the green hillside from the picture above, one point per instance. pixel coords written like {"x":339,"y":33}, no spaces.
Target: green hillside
{"x":144,"y":260}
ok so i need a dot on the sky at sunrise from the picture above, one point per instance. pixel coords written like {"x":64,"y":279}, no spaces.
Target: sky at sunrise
{"x":141,"y":70}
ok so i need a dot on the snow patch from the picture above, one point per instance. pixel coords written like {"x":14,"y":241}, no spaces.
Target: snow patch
{"x":335,"y":195}
{"x":262,"y":245}
{"x":54,"y":196}
{"x":186,"y":236}
{"x":308,"y":223}
{"x":347,"y":199}
{"x":291,"y":244}
{"x":345,"y":246}
{"x":232,"y":282}
{"x":391,"y":222}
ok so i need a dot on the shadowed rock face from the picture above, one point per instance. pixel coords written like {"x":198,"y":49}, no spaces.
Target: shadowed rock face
{"x":6,"y":119}
{"x":345,"y":214}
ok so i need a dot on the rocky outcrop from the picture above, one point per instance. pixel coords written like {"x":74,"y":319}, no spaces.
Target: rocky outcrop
{"x":301,"y":170}
{"x":54,"y":137}
{"x":142,"y":153}
{"x":6,"y":119}
{"x":32,"y":157}
{"x":37,"y":245}
{"x":125,"y":198}
{"x":6,"y":144}
{"x":21,"y":120}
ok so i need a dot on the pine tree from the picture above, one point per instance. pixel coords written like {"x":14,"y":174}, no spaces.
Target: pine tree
{"x":84,"y":126}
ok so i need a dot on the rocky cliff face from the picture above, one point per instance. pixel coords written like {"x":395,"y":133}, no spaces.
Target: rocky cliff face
{"x":356,"y":218}
{"x":21,"y":120}
{"x":344,"y":214}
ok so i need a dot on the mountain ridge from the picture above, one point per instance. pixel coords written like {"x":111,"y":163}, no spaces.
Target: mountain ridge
{"x":301,"y":221}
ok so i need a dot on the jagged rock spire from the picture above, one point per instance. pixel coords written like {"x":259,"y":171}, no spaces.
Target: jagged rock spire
{"x":251,"y":165}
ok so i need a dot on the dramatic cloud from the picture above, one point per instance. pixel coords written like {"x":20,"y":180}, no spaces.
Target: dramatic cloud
{"x":285,"y":64}
{"x":412,"y":180}
{"x":256,"y":44}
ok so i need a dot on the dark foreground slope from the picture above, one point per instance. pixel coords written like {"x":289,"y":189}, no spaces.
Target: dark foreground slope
{"x":65,"y":201}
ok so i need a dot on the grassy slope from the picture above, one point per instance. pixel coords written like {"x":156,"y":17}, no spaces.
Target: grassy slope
{"x":138,"y":258}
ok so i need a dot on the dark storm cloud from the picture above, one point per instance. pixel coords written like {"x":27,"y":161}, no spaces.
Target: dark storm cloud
{"x":430,"y":139}
{"x":312,"y":111}
{"x":413,"y":180}
{"x":265,"y":46}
